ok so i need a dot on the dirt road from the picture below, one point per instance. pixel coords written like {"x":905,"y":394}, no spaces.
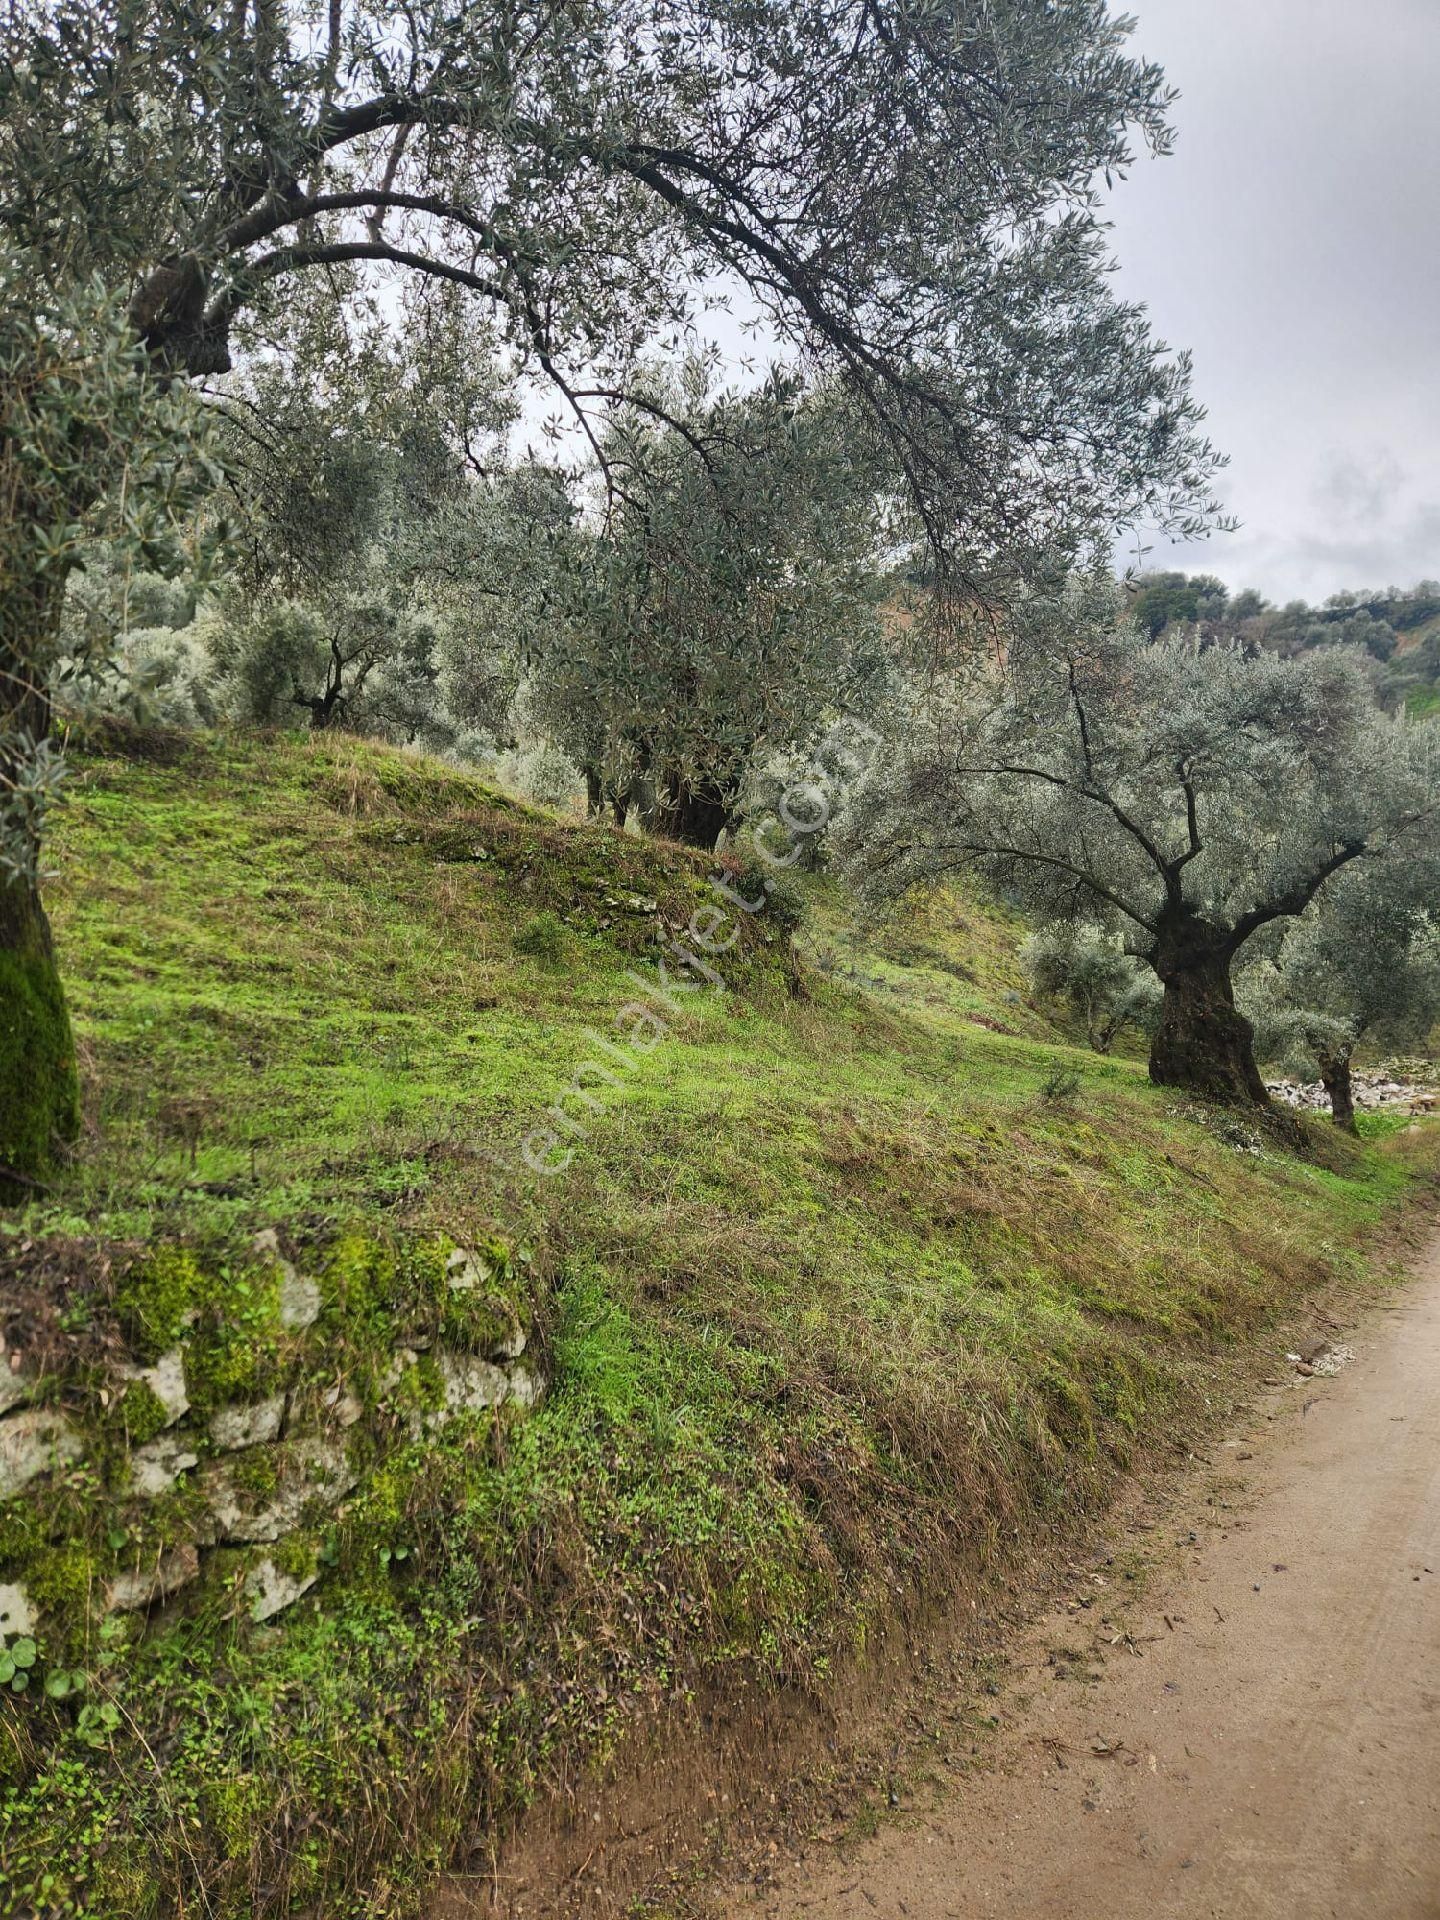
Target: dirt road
{"x":1267,"y":1743}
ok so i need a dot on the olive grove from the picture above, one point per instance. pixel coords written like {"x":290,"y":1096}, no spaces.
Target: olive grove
{"x":904,"y":196}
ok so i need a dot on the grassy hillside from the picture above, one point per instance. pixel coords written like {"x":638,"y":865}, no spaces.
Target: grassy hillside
{"x":859,"y":1278}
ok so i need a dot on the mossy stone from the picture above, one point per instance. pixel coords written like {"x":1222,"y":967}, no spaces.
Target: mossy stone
{"x":141,"y":1413}
{"x":157,"y":1298}
{"x":66,"y":1585}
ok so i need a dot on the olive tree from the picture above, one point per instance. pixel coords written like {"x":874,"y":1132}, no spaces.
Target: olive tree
{"x":728,"y":610}
{"x":1088,"y":968}
{"x":1189,"y":796}
{"x":903,"y":194}
{"x":1362,"y":967}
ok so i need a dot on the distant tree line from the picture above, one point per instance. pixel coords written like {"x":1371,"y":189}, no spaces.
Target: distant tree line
{"x":1398,"y":629}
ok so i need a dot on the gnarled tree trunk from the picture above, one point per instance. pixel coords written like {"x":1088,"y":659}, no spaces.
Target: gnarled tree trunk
{"x":1334,"y":1064}
{"x":696,"y":812}
{"x":600,"y":794}
{"x":39,"y":1086}
{"x":1203,"y":1043}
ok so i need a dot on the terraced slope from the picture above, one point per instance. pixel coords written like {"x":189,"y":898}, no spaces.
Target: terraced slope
{"x":843,"y":1277}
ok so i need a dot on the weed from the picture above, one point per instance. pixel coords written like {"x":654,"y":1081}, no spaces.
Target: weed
{"x":1060,"y":1086}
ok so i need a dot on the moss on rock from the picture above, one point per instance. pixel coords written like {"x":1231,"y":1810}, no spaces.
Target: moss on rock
{"x":157,"y":1297}
{"x":141,"y":1413}
{"x":67,"y":1585}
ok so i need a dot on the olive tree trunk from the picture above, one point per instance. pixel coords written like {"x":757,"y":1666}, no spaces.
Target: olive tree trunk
{"x":696,"y":812}
{"x":1204,"y":1044}
{"x":1335,"y":1078}
{"x":39,"y":1086}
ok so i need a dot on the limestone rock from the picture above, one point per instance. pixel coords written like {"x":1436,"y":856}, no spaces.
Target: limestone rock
{"x":270,"y":1591}
{"x":470,"y":1384}
{"x":308,"y":1470}
{"x":525,"y":1387}
{"x":129,"y":1591}
{"x":465,"y":1271}
{"x":17,"y":1616}
{"x":299,"y":1297}
{"x":15,"y":1386}
{"x":166,"y":1380}
{"x":32,"y":1442}
{"x":249,"y":1425}
{"x":344,"y":1407}
{"x":155,"y":1467}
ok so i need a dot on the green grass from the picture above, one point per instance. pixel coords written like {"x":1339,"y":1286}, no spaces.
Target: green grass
{"x":831,"y":1297}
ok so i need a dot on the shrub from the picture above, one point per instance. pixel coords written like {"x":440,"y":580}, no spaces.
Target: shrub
{"x":1104,"y":987}
{"x":1060,"y":1086}
{"x":785,"y":905}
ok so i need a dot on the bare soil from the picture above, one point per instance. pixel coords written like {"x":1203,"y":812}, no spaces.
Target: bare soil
{"x":1245,"y":1724}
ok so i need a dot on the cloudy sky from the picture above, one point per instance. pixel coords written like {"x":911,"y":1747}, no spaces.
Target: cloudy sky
{"x":1291,"y":243}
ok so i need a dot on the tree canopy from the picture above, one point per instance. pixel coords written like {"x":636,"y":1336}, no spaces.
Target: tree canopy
{"x":730,"y":607}
{"x":904,"y":194}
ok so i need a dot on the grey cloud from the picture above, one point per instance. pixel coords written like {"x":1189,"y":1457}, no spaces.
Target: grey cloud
{"x":1360,"y":489}
{"x":1291,"y":243}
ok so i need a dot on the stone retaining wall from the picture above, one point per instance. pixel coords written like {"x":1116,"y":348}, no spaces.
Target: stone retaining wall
{"x":185,"y":1481}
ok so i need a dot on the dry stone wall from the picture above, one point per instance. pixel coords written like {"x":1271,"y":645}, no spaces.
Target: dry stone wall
{"x":268,"y":1394}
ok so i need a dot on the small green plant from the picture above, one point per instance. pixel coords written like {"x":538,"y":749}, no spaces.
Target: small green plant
{"x":543,"y":937}
{"x":1060,"y":1086}
{"x":63,"y":1682}
{"x":16,"y":1662}
{"x":96,"y":1723}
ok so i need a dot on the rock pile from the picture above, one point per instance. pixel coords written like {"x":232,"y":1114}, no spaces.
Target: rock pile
{"x":1374,"y":1092}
